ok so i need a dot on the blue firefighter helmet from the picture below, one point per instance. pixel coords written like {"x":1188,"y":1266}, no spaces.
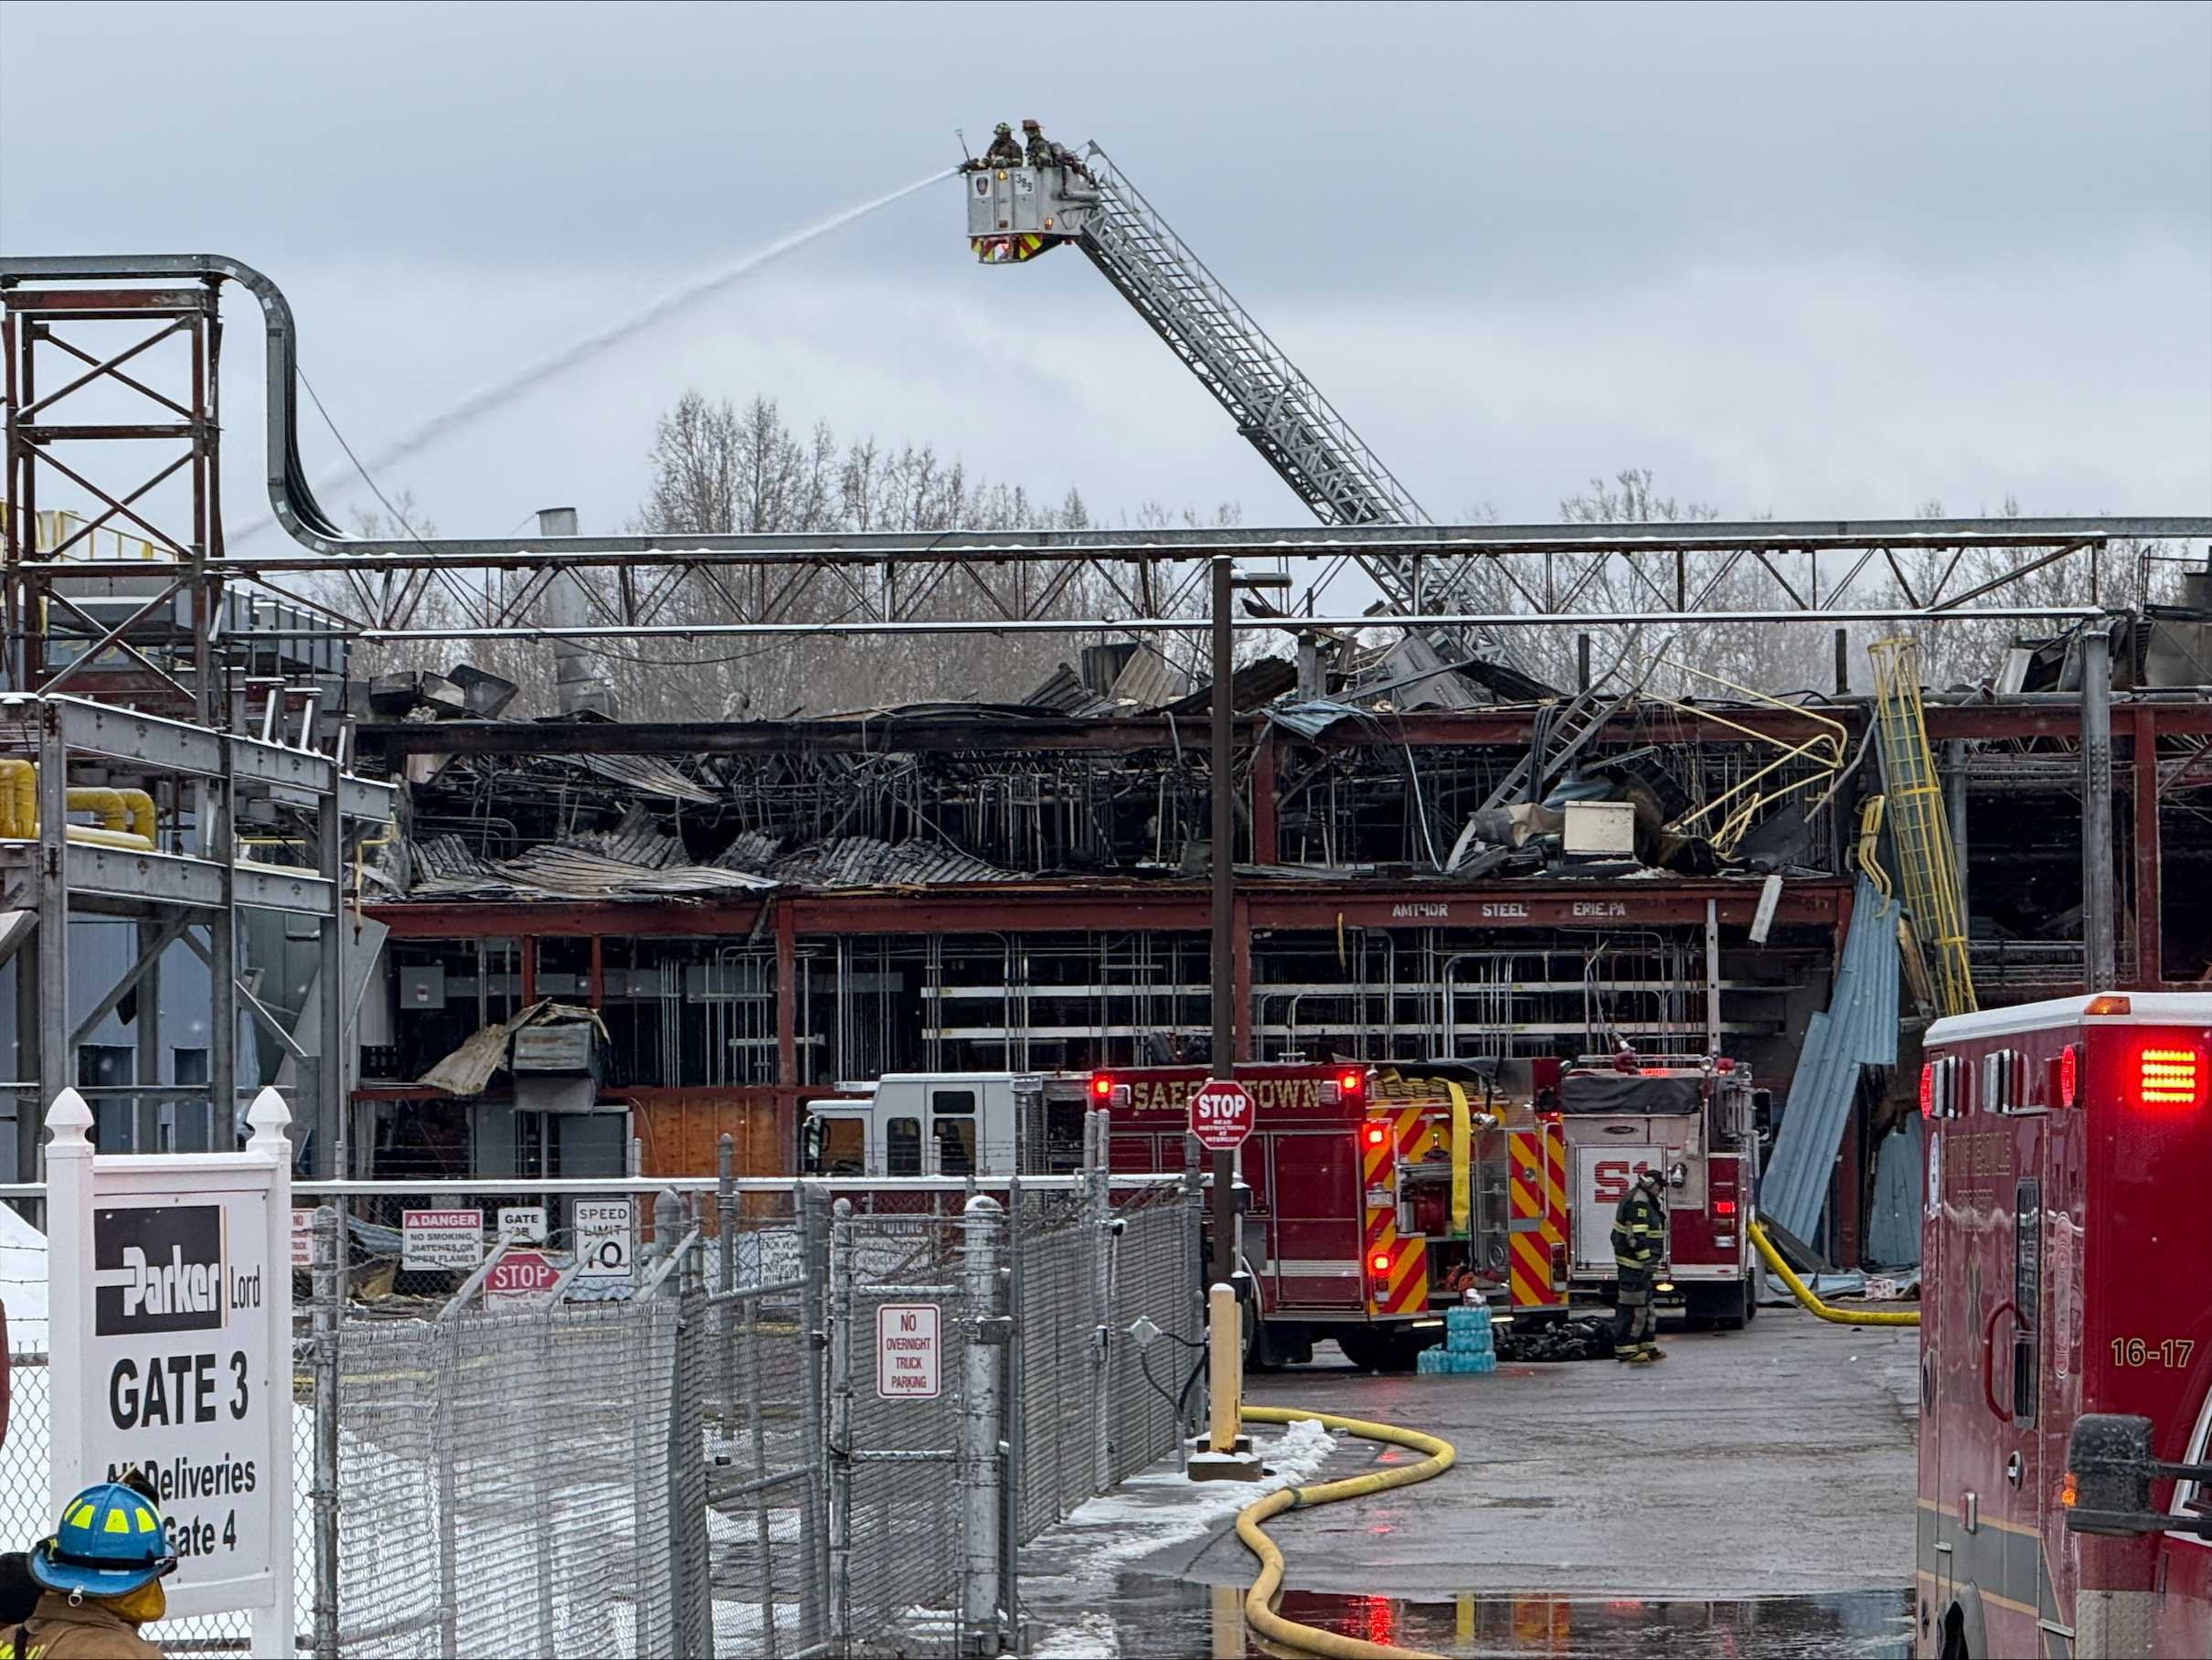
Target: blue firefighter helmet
{"x":110,"y":1541}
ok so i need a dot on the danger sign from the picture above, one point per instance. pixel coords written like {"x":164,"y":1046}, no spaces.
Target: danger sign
{"x":1221,"y":1116}
{"x":907,"y":1353}
{"x":448,"y":1239}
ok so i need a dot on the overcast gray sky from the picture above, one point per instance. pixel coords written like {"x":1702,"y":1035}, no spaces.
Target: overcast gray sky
{"x":1801,"y":260}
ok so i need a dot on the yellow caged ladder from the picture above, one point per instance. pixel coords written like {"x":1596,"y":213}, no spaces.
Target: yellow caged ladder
{"x":1920,"y":829}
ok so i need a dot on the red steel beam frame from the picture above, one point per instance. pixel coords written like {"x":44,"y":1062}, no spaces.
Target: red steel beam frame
{"x":1266,"y":847}
{"x":1120,"y":907}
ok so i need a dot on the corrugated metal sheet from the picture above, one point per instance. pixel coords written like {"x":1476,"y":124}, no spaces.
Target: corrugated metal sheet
{"x":1858,"y":1028}
{"x":446,"y":869}
{"x":1064,"y":693}
{"x":1893,"y":1226}
{"x":862,"y":861}
{"x":754,"y":850}
{"x":646,"y":775}
{"x":1147,"y":681}
{"x":1311,"y":720}
{"x":1252,"y":685}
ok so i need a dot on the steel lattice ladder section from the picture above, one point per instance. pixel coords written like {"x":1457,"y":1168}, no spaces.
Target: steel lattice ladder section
{"x":1276,"y":408}
{"x":1919,"y":828}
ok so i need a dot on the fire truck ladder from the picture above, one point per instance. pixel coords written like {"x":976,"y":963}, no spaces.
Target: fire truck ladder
{"x":1920,"y":829}
{"x":1280,"y":412}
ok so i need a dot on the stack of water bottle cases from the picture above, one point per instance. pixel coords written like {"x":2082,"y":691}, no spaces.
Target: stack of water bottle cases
{"x":1468,"y":1348}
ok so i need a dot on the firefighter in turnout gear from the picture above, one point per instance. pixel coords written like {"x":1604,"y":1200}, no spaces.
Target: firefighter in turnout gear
{"x":1039,"y":150}
{"x":1639,"y":1249}
{"x":1004,"y":150}
{"x":99,"y":1577}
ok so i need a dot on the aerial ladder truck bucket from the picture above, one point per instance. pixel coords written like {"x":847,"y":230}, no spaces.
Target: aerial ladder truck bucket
{"x":1015,"y":214}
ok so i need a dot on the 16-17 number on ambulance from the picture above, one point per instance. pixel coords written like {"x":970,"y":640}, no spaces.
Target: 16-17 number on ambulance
{"x":2141,"y":1351}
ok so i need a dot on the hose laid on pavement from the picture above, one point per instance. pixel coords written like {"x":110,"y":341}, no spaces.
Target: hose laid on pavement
{"x":1258,"y":1601}
{"x":1813,"y":1305}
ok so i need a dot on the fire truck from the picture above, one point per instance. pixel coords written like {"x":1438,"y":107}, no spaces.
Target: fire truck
{"x":2066,"y":1330}
{"x":1371,"y":1198}
{"x":1374,"y":1196}
{"x":1697,"y":1120}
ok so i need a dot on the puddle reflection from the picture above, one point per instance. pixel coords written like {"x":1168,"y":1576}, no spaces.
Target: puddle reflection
{"x":1154,"y":1616}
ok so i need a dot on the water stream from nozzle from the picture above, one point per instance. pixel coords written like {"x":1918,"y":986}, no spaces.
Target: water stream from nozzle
{"x":487,"y":398}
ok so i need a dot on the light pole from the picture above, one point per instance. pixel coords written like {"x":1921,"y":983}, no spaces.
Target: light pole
{"x":1223,"y":1065}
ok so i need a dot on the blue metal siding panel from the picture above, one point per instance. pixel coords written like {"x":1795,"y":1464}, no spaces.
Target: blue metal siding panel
{"x":1858,"y":1028}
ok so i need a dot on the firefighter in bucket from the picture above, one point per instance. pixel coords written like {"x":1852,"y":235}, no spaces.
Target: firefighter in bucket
{"x":99,"y":1576}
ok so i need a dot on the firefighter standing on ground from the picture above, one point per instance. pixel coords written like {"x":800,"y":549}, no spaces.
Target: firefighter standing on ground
{"x":1639,"y":1248}
{"x":98,"y":1577}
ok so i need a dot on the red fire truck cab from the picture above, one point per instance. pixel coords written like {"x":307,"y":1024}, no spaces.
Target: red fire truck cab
{"x":1697,"y":1121}
{"x":2066,"y":1335}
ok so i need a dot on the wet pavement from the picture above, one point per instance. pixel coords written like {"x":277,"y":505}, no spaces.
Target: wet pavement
{"x":1155,"y":1616}
{"x":1753,"y":1498}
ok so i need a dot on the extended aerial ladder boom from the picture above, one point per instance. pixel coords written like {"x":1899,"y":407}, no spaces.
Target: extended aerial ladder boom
{"x":1017,"y":213}
{"x":1275,"y":406}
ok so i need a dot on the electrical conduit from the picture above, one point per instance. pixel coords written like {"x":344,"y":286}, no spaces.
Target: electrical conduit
{"x":1813,"y":1305}
{"x":1259,"y":1600}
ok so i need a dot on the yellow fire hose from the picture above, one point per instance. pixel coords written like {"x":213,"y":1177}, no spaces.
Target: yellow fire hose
{"x":1258,"y":1601}
{"x":1813,"y":1305}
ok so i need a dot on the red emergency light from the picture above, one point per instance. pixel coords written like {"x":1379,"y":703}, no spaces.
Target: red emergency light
{"x":1928,"y":1088}
{"x":2070,"y":1074}
{"x":1379,"y":1263}
{"x":1101,"y":1085}
{"x":1351,"y":1082}
{"x":2169,"y":1075}
{"x":1376,"y":1132}
{"x":1724,"y":1207}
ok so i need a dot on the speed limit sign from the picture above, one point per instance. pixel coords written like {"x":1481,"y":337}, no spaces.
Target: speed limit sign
{"x":1221,"y":1116}
{"x":603,"y":1238}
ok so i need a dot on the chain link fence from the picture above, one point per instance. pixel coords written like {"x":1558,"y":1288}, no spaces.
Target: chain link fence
{"x":809,"y":1419}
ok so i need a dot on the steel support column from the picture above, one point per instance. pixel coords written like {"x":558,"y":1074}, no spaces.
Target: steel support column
{"x":1222,"y":918}
{"x":2149,"y":945}
{"x":2099,"y":970}
{"x":56,"y":1055}
{"x":330,"y":1060}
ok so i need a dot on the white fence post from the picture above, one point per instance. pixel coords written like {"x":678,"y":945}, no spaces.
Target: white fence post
{"x":69,"y":1257}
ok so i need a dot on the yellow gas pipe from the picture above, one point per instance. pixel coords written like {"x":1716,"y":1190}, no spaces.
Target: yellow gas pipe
{"x":1813,"y":1305}
{"x":127,"y":817}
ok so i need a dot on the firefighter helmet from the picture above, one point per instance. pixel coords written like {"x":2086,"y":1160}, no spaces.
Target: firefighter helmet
{"x":1650,"y":1177}
{"x":1030,"y":126}
{"x":1003,"y":131}
{"x":110,"y":1542}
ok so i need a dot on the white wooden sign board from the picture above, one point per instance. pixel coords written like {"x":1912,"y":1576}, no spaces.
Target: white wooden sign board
{"x":170,"y":1282}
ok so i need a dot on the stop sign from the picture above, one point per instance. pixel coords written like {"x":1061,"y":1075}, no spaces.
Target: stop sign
{"x":520,"y":1279}
{"x":1221,"y":1115}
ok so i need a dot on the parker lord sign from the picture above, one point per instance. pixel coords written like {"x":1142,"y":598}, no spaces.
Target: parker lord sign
{"x":171,"y":1296}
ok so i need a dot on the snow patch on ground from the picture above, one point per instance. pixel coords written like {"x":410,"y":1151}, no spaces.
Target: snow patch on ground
{"x":1085,"y":1637}
{"x":1072,"y":1567}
